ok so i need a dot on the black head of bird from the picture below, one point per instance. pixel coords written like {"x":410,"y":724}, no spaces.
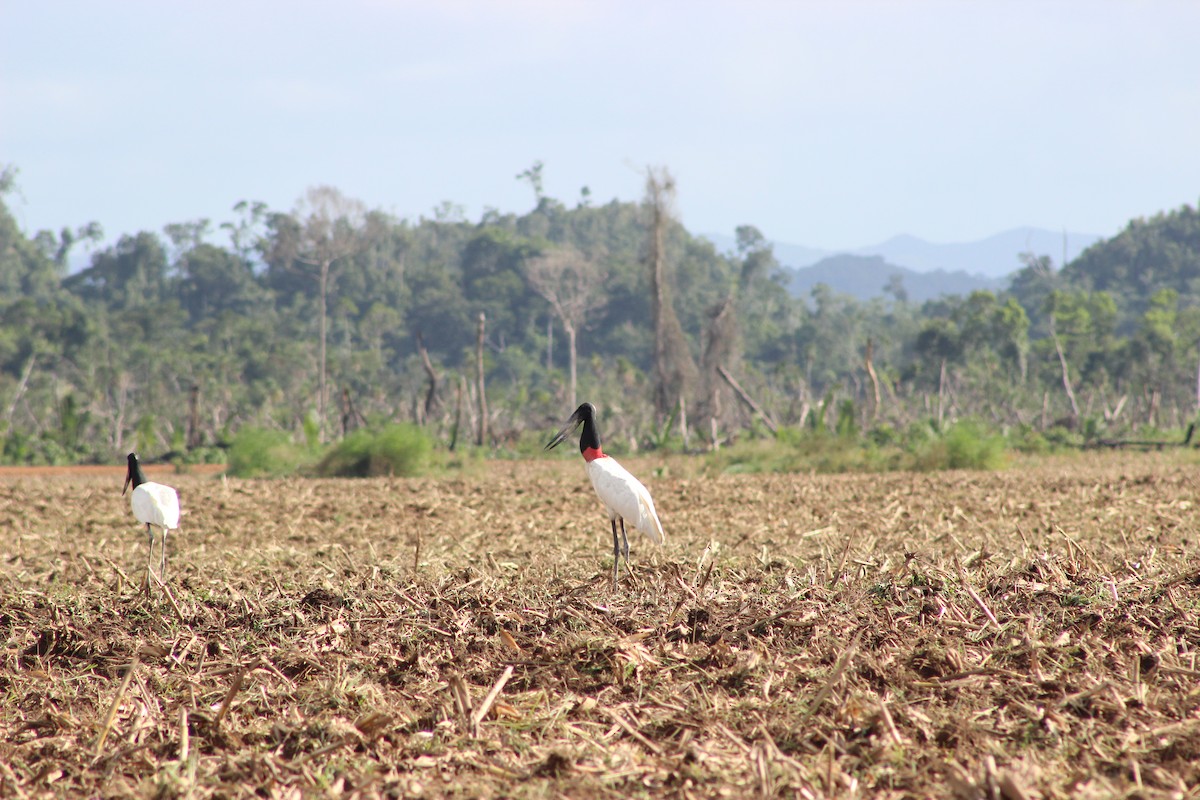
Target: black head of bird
{"x":589,"y":439}
{"x":133,"y":473}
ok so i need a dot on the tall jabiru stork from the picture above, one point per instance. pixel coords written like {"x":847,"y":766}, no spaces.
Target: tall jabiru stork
{"x":624,"y":496}
{"x":155,"y":505}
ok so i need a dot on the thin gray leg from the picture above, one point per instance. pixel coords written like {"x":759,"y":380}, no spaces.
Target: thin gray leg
{"x":149,"y":553}
{"x":162,"y":571}
{"x":616,"y":552}
{"x":625,"y":539}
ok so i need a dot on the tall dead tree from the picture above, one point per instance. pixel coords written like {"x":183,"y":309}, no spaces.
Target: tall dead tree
{"x":675,"y":371}
{"x":482,"y":434}
{"x":352,"y":418}
{"x":193,"y":426}
{"x":1066,"y":373}
{"x":332,"y":228}
{"x":570,"y":283}
{"x":719,"y":352}
{"x":432,"y":403}
{"x":869,"y":358}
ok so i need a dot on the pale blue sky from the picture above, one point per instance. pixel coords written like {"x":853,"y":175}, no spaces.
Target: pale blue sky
{"x":828,"y":124}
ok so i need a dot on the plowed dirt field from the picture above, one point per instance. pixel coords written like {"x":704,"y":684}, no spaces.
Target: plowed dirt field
{"x":1025,"y":633}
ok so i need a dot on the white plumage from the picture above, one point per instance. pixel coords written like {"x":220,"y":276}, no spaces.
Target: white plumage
{"x":155,"y":505}
{"x":625,"y":497}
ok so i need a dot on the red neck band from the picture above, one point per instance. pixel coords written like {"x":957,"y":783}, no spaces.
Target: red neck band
{"x":592,"y":453}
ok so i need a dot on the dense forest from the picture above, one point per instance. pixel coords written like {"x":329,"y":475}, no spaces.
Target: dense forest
{"x":334,"y":316}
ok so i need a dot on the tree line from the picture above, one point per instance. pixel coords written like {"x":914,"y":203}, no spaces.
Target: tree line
{"x":332,"y":316}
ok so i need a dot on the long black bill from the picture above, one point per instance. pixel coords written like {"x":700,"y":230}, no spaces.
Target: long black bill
{"x":567,"y":430}
{"x":128,"y":479}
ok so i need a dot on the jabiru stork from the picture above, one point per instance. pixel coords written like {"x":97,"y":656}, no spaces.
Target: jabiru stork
{"x":155,"y":505}
{"x":624,"y":496}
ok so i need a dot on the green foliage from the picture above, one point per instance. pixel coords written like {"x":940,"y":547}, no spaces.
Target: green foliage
{"x":660,"y":438}
{"x":110,"y":352}
{"x":263,"y":453}
{"x":847,"y":420}
{"x":399,"y":449}
{"x":966,"y":445}
{"x":19,"y":448}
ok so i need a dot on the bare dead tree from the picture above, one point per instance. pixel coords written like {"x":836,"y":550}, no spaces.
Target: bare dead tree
{"x":460,"y":390}
{"x":432,"y":403}
{"x":1197,"y":408}
{"x":745,"y":397}
{"x":1066,"y":373}
{"x":332,"y":228}
{"x":25,"y":373}
{"x":720,"y":348}
{"x":570,"y":283}
{"x":193,"y":426}
{"x":482,"y":435}
{"x":351,"y":417}
{"x":941,"y":403}
{"x":674,"y":369}
{"x":870,"y":364}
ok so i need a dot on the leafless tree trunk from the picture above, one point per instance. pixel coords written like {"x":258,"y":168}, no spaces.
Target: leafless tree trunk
{"x":459,"y":390}
{"x":322,"y":323}
{"x":351,"y":417}
{"x":572,"y":365}
{"x":332,"y":227}
{"x":431,"y":398}
{"x":193,"y":427}
{"x":674,"y":369}
{"x":941,"y":405}
{"x":1066,"y":373}
{"x":25,"y":373}
{"x":874,"y":378}
{"x":748,"y":400}
{"x":1110,"y":416}
{"x":1198,"y":387}
{"x":570,"y":283}
{"x":482,"y":435}
{"x":720,"y":350}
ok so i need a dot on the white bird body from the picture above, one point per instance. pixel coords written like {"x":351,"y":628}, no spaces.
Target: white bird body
{"x":624,"y":496}
{"x":157,"y":505}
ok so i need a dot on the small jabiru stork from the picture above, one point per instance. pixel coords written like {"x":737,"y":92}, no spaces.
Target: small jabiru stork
{"x":155,"y":505}
{"x":624,"y":496}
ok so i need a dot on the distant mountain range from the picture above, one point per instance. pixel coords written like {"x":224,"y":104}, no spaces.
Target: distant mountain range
{"x":866,"y":277}
{"x":927,"y":269}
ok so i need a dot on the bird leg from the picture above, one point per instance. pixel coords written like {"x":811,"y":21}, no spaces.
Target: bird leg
{"x":625,"y":539}
{"x":162,"y":570}
{"x":149,"y":554}
{"x":616,"y":553}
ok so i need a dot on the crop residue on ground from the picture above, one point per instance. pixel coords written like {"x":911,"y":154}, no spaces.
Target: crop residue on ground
{"x":1020,"y":634}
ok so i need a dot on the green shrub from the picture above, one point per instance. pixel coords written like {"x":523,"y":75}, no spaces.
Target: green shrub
{"x":966,"y":445}
{"x":400,"y":449}
{"x":257,"y":453}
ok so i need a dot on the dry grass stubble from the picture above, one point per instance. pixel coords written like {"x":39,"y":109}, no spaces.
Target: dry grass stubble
{"x":1029,"y":633}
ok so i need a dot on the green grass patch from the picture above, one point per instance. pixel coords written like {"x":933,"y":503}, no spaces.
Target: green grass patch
{"x":964,"y":445}
{"x":399,"y":449}
{"x":263,"y":453}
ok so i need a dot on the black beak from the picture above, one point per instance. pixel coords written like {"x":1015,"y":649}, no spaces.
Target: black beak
{"x":567,"y":430}
{"x":128,"y":478}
